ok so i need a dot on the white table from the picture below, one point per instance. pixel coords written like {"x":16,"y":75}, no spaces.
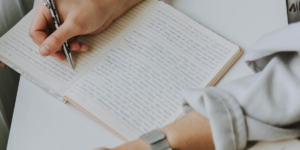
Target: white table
{"x":41,"y":122}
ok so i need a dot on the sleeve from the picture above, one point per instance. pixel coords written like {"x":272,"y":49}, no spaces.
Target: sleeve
{"x":264,"y":106}
{"x":10,"y":14}
{"x":11,"y":11}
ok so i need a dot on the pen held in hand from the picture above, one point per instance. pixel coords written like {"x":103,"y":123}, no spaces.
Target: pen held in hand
{"x":57,"y":23}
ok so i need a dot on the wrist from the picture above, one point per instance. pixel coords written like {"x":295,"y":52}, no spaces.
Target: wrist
{"x":189,"y":132}
{"x":171,"y":136}
{"x":141,"y":144}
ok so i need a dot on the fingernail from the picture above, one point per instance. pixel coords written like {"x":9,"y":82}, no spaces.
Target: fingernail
{"x":45,"y":50}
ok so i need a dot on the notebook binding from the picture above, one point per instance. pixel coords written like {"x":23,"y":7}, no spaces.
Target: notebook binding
{"x":34,"y":81}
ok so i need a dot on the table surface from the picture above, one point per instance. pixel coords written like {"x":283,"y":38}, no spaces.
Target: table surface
{"x":42,"y":122}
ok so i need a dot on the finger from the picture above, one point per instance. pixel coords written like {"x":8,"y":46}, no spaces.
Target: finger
{"x":3,"y":65}
{"x":60,"y":55}
{"x":83,"y":47}
{"x":39,"y":29}
{"x":78,"y":47}
{"x":55,"y":41}
{"x":74,"y":46}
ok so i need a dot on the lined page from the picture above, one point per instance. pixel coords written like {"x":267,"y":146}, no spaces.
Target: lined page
{"x":136,"y":87}
{"x":19,"y":49}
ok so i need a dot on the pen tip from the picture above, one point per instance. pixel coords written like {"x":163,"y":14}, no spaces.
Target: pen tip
{"x":72,"y":65}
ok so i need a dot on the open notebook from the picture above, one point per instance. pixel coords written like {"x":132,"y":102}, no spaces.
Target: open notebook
{"x":130,"y":79}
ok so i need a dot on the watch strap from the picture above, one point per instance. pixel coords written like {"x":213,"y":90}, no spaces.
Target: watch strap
{"x":156,"y":140}
{"x":161,"y":145}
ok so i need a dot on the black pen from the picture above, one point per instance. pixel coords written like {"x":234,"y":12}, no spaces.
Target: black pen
{"x":57,"y":23}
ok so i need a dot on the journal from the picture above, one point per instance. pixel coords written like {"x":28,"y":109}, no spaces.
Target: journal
{"x":131,"y":77}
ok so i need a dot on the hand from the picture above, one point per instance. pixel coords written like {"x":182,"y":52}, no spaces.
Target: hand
{"x":78,"y":17}
{"x":191,"y":132}
{"x":3,"y":65}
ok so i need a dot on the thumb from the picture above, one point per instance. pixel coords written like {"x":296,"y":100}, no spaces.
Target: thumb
{"x":55,"y":41}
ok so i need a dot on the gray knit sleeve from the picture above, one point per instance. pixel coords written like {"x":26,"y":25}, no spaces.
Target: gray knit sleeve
{"x":224,"y":113}
{"x":264,"y":106}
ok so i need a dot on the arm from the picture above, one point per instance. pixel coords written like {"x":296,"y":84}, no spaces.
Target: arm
{"x":78,"y":18}
{"x":191,"y":132}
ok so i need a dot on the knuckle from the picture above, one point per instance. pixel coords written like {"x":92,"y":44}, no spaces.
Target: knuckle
{"x":56,"y":39}
{"x":31,"y":33}
{"x":51,"y":44}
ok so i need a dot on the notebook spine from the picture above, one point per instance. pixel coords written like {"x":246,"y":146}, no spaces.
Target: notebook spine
{"x":34,"y":81}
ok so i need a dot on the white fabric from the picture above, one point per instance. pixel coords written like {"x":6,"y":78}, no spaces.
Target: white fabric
{"x":263,"y":106}
{"x":11,"y":11}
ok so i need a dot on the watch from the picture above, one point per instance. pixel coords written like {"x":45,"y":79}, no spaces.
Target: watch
{"x":156,"y":140}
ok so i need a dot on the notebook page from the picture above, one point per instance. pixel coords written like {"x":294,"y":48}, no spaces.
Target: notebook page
{"x":101,"y":43}
{"x":17,"y":48}
{"x":136,"y":87}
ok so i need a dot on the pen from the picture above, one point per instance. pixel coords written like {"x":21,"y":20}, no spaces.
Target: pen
{"x":57,"y":23}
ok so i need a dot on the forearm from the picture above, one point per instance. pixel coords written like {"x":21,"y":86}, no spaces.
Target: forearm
{"x":190,"y":132}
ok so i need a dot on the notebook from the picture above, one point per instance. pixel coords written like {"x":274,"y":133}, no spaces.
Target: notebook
{"x":131,"y":77}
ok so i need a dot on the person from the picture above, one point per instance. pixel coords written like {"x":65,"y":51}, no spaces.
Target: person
{"x":263,"y":106}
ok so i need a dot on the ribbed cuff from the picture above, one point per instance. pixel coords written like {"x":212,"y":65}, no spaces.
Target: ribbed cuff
{"x":224,"y":113}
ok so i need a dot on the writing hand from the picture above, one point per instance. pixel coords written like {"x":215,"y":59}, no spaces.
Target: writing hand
{"x":78,"y":17}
